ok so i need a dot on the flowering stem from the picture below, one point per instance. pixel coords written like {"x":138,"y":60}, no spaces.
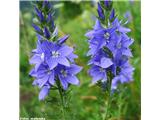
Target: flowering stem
{"x":62,"y":98}
{"x":108,"y":101}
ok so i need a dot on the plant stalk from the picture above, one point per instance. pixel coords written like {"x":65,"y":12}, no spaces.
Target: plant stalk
{"x":108,"y":101}
{"x":62,"y":99}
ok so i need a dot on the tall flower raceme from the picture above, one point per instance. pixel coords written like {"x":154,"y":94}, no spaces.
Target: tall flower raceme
{"x":53,"y":60}
{"x":109,"y":49}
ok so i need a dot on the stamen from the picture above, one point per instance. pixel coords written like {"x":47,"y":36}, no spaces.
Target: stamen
{"x":42,"y":56}
{"x":55,"y":54}
{"x":119,"y":45}
{"x":64,"y":73}
{"x":101,"y":69}
{"x":107,"y":35}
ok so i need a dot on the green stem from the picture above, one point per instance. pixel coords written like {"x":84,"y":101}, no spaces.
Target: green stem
{"x":108,"y":101}
{"x":108,"y":106}
{"x":62,"y":99}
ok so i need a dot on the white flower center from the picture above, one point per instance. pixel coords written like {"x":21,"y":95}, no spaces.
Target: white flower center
{"x":55,"y":54}
{"x":107,"y":35}
{"x":119,"y":45}
{"x":48,"y":72}
{"x":42,"y":56}
{"x":101,"y":69}
{"x":64,"y":73}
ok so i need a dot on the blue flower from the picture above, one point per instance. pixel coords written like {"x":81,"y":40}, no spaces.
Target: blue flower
{"x":100,"y":37}
{"x":119,"y":27}
{"x":44,"y":92}
{"x":56,"y":54}
{"x":39,"y":14}
{"x":124,"y":76}
{"x":63,"y":39}
{"x":67,"y":76}
{"x":106,"y":3}
{"x":53,"y":60}
{"x":98,"y":73}
{"x":37,"y":29}
{"x":45,"y":78}
{"x":110,"y":52}
{"x":100,"y":11}
{"x":46,"y":33}
{"x":101,"y":59}
{"x":112,"y":15}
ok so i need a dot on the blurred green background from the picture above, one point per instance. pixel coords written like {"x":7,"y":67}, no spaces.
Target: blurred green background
{"x":87,"y":101}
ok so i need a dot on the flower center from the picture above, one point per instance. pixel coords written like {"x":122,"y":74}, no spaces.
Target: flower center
{"x":42,"y":56}
{"x":64,"y":73}
{"x":107,"y":41}
{"x":119,"y":45}
{"x":55,"y":54}
{"x":101,"y":70}
{"x":117,"y":30}
{"x":107,"y":35}
{"x":48,"y":72}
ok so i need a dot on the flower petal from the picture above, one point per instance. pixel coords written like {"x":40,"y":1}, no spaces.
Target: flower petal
{"x":128,"y":42}
{"x":41,"y":82}
{"x":127,"y":52}
{"x":71,"y":57}
{"x":123,"y":29}
{"x":89,"y":34}
{"x":33,"y":73}
{"x":63,"y":39}
{"x":46,"y":32}
{"x":52,"y":62}
{"x":35,"y":59}
{"x":37,"y":66}
{"x":105,"y":62}
{"x":97,"y":77}
{"x":43,"y":93}
{"x":35,"y":82}
{"x":64,"y":82}
{"x":72,"y":80}
{"x":98,"y":25}
{"x":51,"y":78}
{"x":74,"y":69}
{"x":65,"y":50}
{"x":63,"y":61}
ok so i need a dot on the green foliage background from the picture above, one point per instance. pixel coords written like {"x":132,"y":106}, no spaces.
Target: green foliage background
{"x":87,"y":102}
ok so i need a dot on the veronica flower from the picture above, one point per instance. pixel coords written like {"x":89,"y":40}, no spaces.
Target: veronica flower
{"x":106,"y":3}
{"x":121,"y":45}
{"x":43,"y":76}
{"x":56,"y":54}
{"x":119,"y":27}
{"x":101,"y":59}
{"x":124,"y":76}
{"x":37,"y":29}
{"x":97,"y":26}
{"x":44,"y":79}
{"x":100,"y":11}
{"x":109,"y":51}
{"x":46,"y":33}
{"x":39,"y":14}
{"x":99,"y":37}
{"x":67,"y":75}
{"x":63,"y":39}
{"x":128,"y":15}
{"x":39,"y":55}
{"x":112,"y":14}
{"x":53,"y":59}
{"x":44,"y":92}
{"x":46,"y":4}
{"x":98,"y":73}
